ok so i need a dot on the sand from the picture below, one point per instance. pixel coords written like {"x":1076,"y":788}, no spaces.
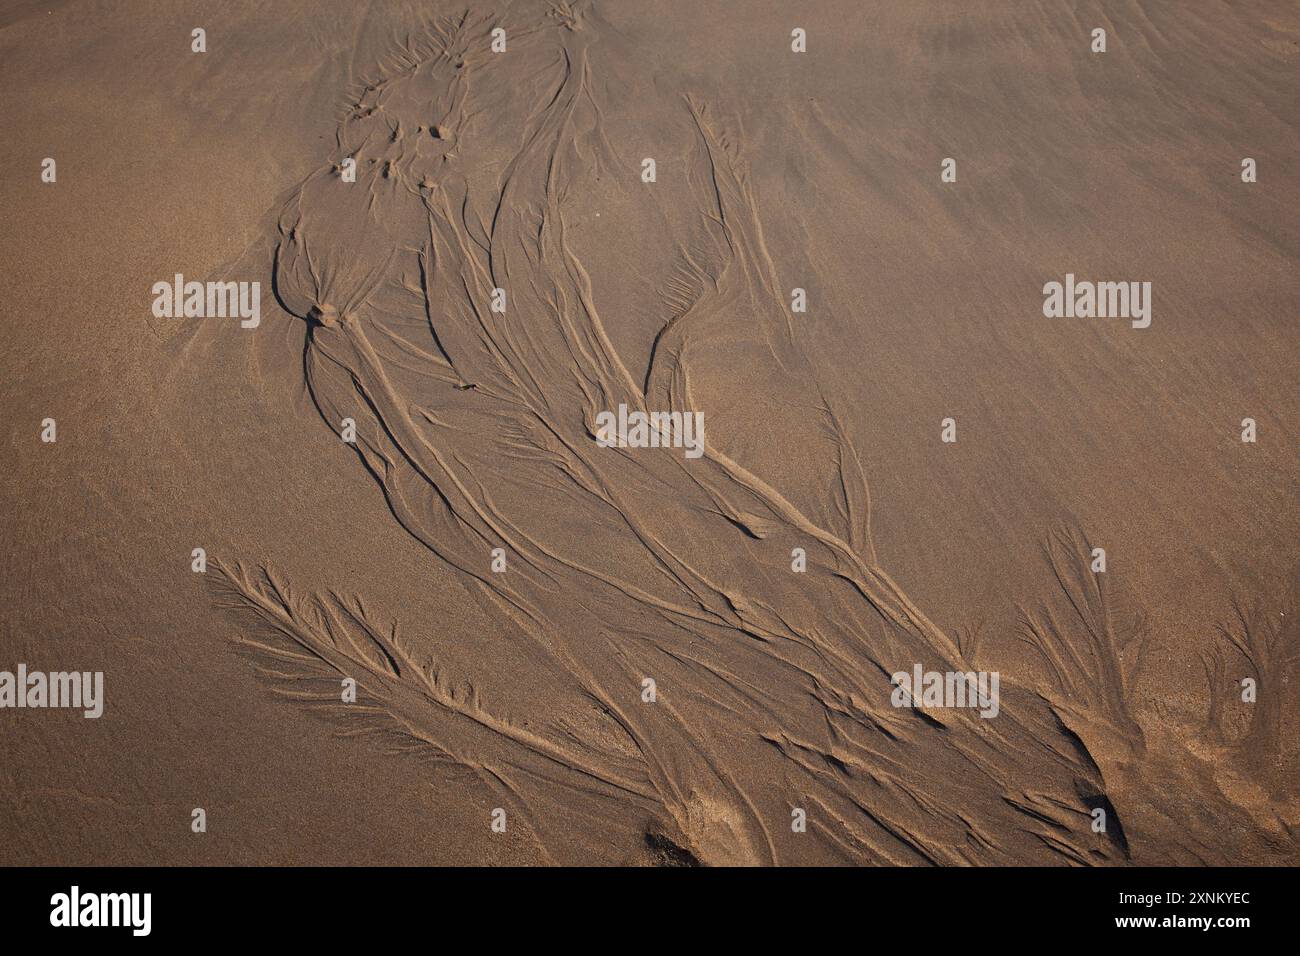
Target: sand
{"x":576,"y":645}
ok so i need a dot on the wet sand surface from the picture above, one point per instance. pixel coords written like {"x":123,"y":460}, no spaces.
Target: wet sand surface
{"x":500,"y":584}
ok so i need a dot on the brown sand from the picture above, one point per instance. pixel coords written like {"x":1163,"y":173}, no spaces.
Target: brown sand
{"x":475,"y":430}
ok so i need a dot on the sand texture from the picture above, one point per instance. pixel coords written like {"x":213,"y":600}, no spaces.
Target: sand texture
{"x":568,"y":650}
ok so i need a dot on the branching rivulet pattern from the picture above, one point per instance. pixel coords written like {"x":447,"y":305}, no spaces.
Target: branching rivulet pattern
{"x":774,"y":687}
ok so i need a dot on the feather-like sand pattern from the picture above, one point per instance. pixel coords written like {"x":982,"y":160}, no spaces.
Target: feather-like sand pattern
{"x":774,"y":687}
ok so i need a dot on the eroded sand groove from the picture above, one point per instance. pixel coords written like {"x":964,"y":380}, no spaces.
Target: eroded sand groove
{"x":775,"y":687}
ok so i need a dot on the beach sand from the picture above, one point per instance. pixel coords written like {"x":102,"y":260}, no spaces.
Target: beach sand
{"x":575,"y":651}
